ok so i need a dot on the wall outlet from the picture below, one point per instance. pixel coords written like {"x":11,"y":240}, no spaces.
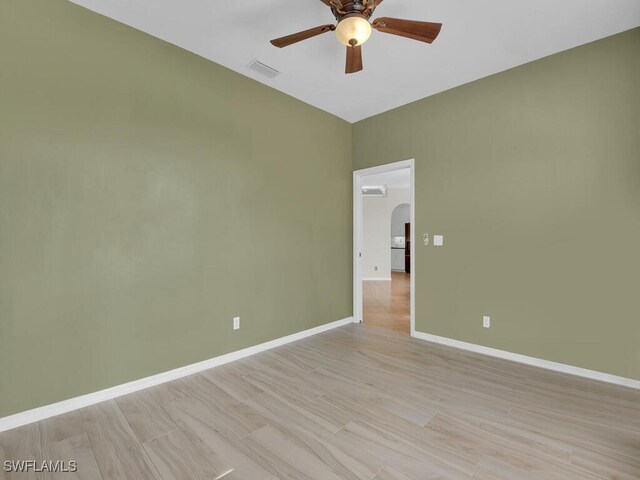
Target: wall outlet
{"x":375,"y":268}
{"x":438,"y":240}
{"x":486,"y":321}
{"x":236,"y":323}
{"x":425,"y":238}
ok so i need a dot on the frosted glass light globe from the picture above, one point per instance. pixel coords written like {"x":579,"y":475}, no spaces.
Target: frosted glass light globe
{"x":354,"y":27}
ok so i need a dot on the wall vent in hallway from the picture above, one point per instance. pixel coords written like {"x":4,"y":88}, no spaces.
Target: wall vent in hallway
{"x":374,"y":191}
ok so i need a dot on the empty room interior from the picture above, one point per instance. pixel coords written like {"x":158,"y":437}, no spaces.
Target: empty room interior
{"x":319,"y":240}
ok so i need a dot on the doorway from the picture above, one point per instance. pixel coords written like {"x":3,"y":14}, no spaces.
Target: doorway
{"x":384,"y":246}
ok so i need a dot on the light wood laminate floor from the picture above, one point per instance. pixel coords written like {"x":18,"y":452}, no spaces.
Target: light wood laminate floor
{"x":356,"y":403}
{"x":387,"y":304}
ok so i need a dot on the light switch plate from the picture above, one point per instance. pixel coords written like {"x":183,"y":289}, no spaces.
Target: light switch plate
{"x":438,"y":240}
{"x":236,"y":323}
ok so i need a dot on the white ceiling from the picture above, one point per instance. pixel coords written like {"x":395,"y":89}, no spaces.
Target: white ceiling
{"x":394,"y":179}
{"x":478,"y":38}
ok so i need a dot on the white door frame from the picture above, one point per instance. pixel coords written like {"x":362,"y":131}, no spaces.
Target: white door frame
{"x":358,"y":235}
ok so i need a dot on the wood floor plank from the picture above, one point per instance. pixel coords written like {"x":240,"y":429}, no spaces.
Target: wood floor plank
{"x":278,"y":410}
{"x":176,"y":458}
{"x":388,"y":473}
{"x":287,"y":456}
{"x":233,"y":382}
{"x":342,"y":457}
{"x":20,"y":444}
{"x":78,"y":449}
{"x":117,"y":451}
{"x":403,"y":457}
{"x":170,"y":391}
{"x":238,"y":417}
{"x":276,"y":382}
{"x":269,"y":360}
{"x":517,"y":467}
{"x":395,"y":399}
{"x":603,"y":440}
{"x":496,"y":437}
{"x":215,"y":441}
{"x":145,"y":416}
{"x":456,"y":450}
{"x":325,"y":379}
{"x":293,"y":357}
{"x":607,"y":465}
{"x":61,"y":427}
{"x":323,"y":413}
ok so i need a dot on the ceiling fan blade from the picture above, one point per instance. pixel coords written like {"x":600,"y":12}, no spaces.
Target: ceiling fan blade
{"x":354,"y":59}
{"x":422,"y":31}
{"x":298,"y":37}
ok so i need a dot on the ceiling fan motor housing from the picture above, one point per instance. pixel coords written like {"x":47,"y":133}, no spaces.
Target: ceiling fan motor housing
{"x":343,"y":9}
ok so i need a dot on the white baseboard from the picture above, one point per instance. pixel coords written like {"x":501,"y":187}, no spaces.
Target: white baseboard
{"x":536,"y":362}
{"x":40,"y":413}
{"x":376,"y":279}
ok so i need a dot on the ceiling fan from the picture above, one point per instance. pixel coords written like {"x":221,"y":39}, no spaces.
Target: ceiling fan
{"x":353,"y":29}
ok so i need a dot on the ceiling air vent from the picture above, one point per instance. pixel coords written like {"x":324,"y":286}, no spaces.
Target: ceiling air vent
{"x":263,"y":69}
{"x":374,"y":191}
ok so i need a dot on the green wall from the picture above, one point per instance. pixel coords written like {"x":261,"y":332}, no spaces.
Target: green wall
{"x":533,"y":176}
{"x":147,"y":196}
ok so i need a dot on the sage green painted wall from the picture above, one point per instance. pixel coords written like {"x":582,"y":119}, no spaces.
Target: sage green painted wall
{"x":147,"y":196}
{"x":533,"y":176}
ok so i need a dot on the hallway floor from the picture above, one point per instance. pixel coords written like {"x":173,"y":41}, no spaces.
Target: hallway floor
{"x":387,"y":304}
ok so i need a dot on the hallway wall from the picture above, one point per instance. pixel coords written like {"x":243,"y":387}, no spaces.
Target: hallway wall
{"x":376,"y":226}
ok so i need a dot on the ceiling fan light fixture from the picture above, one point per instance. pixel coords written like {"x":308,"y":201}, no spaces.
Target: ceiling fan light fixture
{"x":353,"y":30}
